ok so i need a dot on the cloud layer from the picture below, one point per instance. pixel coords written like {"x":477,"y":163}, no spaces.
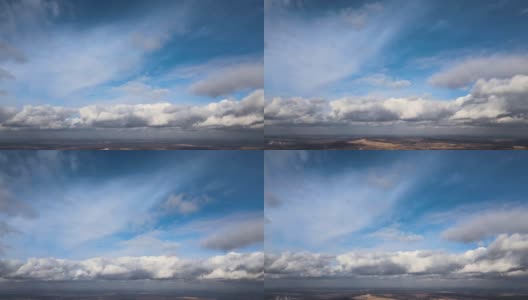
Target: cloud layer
{"x":232,"y":266}
{"x":227,"y":113}
{"x":492,"y":102}
{"x":505,"y":257}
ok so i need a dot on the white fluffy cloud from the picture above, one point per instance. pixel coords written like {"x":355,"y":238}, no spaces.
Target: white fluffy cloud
{"x":232,"y":266}
{"x":491,"y":102}
{"x":470,"y":70}
{"x":506,"y":256}
{"x":303,"y":264}
{"x":227,"y":113}
{"x":296,"y":111}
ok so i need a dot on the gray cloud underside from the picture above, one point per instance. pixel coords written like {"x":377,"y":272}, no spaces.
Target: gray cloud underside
{"x":470,"y":70}
{"x":486,"y":224}
{"x":246,"y":113}
{"x":231,"y":79}
{"x":238,"y":235}
{"x":232,"y":266}
{"x":10,"y":53}
{"x":491,"y":102}
{"x":505,"y":257}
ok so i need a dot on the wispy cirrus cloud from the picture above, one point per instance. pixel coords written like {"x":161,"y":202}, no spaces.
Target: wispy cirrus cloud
{"x":305,"y":54}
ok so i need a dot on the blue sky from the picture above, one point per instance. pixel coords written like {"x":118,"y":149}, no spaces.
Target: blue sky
{"x":396,"y":213}
{"x":418,"y":63}
{"x":168,"y":205}
{"x":130,"y":64}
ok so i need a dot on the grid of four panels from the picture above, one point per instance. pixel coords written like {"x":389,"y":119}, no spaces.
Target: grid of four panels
{"x":276,"y":149}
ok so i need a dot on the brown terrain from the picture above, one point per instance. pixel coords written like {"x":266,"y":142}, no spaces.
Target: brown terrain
{"x":364,"y":143}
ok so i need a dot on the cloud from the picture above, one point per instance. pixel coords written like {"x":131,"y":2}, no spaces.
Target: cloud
{"x":5,"y":75}
{"x":6,"y":229}
{"x":505,"y":257}
{"x":307,"y":54}
{"x":232,"y":266}
{"x":10,"y":205}
{"x":184,"y":204}
{"x":230,"y":79}
{"x":389,"y":110}
{"x":324,"y":205}
{"x":303,"y":264}
{"x":394,"y":234}
{"x":83,"y":215}
{"x":236,"y":235}
{"x":271,"y":200}
{"x":470,"y":70}
{"x":150,"y":42}
{"x":96,"y":210}
{"x":55,"y":63}
{"x":227,"y":113}
{"x":493,"y":102}
{"x":18,"y":17}
{"x":474,"y":228}
{"x":148,"y":243}
{"x":10,"y":53}
{"x":138,"y":91}
{"x":44,"y":116}
{"x":6,"y":113}
{"x":359,"y":18}
{"x":296,"y":111}
{"x":382,"y":80}
{"x":235,"y":266}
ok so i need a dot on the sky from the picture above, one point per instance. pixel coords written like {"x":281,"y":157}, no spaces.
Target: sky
{"x":393,"y":68}
{"x":396,"y":219}
{"x":131,"y":69}
{"x":106,"y":216}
